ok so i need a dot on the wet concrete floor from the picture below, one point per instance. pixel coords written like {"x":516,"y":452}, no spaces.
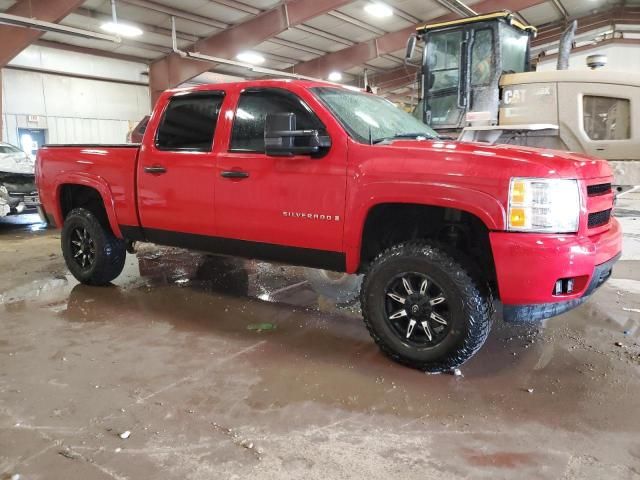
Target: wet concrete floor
{"x":181,"y":352}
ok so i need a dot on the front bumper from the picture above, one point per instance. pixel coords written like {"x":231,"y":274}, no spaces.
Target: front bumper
{"x":20,"y":205}
{"x":22,"y":194}
{"x":529,"y":265}
{"x":541,"y":311}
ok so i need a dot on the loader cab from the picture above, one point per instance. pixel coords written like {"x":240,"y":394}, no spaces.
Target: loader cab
{"x":462,"y":62}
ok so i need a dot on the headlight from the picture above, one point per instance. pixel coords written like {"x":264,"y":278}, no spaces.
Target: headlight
{"x":544,"y":205}
{"x":4,"y":194}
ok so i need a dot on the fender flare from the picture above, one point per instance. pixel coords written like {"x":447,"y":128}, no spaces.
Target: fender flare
{"x":485,"y":207}
{"x":91,"y":181}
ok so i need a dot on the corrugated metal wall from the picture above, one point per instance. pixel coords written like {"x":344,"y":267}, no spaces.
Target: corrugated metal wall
{"x":72,"y":110}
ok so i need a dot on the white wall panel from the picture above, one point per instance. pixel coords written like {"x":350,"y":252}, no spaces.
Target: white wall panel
{"x":11,"y":129}
{"x":68,"y":97}
{"x":72,"y":110}
{"x":22,"y":92}
{"x":56,"y":60}
{"x":83,"y":130}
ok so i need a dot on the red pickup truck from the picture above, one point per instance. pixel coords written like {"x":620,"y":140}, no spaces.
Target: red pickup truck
{"x":323,"y":176}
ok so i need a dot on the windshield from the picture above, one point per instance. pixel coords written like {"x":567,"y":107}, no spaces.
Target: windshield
{"x":368,"y":117}
{"x":6,"y":148}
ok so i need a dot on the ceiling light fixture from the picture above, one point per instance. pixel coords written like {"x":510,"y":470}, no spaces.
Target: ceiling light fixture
{"x":250,"y":57}
{"x":122,"y":29}
{"x":378,"y":9}
{"x":335,"y":77}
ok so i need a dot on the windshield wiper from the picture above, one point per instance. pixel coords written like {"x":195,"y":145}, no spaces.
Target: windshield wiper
{"x":402,"y":135}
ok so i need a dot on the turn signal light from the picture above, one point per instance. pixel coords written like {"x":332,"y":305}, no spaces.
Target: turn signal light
{"x":517,"y":217}
{"x":518,"y":191}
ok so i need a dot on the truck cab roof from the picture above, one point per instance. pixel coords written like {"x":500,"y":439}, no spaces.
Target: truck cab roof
{"x":273,"y":83}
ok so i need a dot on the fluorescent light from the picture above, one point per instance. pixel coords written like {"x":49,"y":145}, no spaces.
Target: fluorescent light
{"x":335,"y":77}
{"x":378,"y":9}
{"x":122,"y":29}
{"x":250,"y":57}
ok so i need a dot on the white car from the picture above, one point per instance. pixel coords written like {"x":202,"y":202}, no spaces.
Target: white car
{"x":18,"y":193}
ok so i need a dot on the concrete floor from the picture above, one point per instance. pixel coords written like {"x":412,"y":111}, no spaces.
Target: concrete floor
{"x":175,"y":354}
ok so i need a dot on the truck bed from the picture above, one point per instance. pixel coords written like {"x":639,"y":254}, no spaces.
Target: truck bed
{"x":111,"y":169}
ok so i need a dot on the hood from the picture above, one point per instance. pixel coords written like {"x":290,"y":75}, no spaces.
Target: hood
{"x":508,"y":160}
{"x":16,"y":163}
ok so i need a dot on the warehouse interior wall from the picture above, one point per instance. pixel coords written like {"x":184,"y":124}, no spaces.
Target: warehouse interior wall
{"x":72,"y":97}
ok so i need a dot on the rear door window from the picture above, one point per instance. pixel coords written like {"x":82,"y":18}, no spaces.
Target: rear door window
{"x":189,"y":122}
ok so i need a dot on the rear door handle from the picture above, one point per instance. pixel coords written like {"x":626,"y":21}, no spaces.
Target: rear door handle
{"x":155,"y":170}
{"x":234,"y":174}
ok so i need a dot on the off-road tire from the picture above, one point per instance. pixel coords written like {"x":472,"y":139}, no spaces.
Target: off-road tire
{"x":110,"y":252}
{"x":471,"y":308}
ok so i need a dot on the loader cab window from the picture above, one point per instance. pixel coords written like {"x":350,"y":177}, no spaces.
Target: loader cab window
{"x":189,"y":122}
{"x":514,"y":44}
{"x":606,"y":118}
{"x":482,"y":54}
{"x":253,"y":107}
{"x":443,"y":60}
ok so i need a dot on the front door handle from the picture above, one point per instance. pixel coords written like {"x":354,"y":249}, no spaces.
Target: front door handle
{"x":234,"y":174}
{"x":155,"y":170}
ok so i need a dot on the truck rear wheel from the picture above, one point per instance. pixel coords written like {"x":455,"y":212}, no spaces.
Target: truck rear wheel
{"x":423,"y":309}
{"x":92,"y":253}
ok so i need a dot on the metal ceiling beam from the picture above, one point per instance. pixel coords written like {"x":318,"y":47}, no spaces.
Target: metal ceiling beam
{"x":174,"y":69}
{"x":611,"y":41}
{"x":15,"y":39}
{"x":363,"y":52}
{"x":550,"y":34}
{"x":456,"y":6}
{"x":560,"y":7}
{"x":243,"y":7}
{"x":33,"y":23}
{"x":323,"y":34}
{"x":394,"y":79}
{"x":356,"y":22}
{"x":174,"y":12}
{"x":387,"y":80}
{"x":147,"y":28}
{"x":91,"y":51}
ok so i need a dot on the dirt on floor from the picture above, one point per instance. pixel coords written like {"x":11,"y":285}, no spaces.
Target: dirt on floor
{"x":201,"y":367}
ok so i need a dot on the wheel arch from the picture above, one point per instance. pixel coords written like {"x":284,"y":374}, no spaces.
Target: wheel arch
{"x":479,"y":205}
{"x":76,"y":182}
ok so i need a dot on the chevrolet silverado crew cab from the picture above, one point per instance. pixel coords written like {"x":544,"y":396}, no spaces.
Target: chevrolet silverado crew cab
{"x":323,"y":176}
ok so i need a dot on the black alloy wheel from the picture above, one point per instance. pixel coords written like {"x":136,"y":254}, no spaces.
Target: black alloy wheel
{"x":83,"y":248}
{"x":417,"y":309}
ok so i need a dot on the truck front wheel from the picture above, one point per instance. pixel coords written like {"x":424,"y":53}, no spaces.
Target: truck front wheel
{"x":91,"y":251}
{"x":423,"y":309}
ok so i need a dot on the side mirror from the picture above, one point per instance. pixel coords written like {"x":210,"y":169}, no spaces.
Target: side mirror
{"x":411,"y":47}
{"x":281,"y":139}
